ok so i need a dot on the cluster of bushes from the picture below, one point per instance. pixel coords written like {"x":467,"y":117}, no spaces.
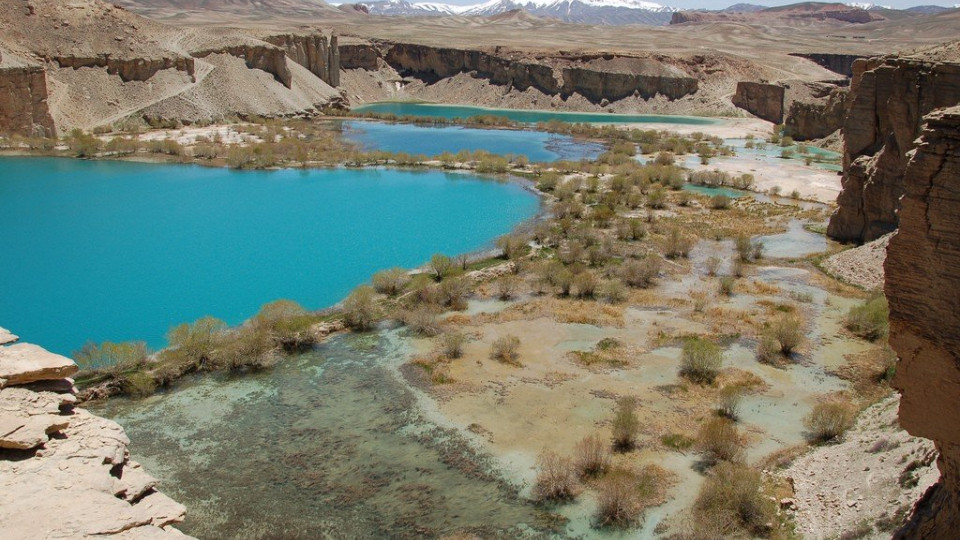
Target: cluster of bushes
{"x":207,"y":344}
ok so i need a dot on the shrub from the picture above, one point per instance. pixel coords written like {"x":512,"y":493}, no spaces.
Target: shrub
{"x":585,"y":284}
{"x":869,"y":320}
{"x":620,"y":498}
{"x":360,"y":309}
{"x":788,"y":331}
{"x":720,"y":440}
{"x":614,"y":291}
{"x":441,"y":265}
{"x":626,"y":425}
{"x":451,"y":344}
{"x":768,"y":349}
{"x":678,"y":244}
{"x":731,"y":503}
{"x":194,"y":343}
{"x":720,"y":202}
{"x":657,"y":199}
{"x":830,"y":418}
{"x":421,"y":321}
{"x":677,"y":441}
{"x":390,"y":281}
{"x":286,"y":323}
{"x":512,"y":245}
{"x":728,"y":401}
{"x":713,"y":265}
{"x":727,"y":285}
{"x":138,"y":384}
{"x":113,"y":357}
{"x":453,"y":293}
{"x":506,"y":287}
{"x":556,"y":478}
{"x":701,"y":360}
{"x":591,"y":457}
{"x":506,"y":349}
{"x":641,"y":273}
{"x":700,"y":300}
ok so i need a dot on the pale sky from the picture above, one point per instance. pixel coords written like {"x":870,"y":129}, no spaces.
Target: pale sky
{"x":720,"y":4}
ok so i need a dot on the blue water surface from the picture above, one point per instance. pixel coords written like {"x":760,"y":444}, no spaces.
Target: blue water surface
{"x":432,"y":141}
{"x":434,"y":110}
{"x":122,"y":251}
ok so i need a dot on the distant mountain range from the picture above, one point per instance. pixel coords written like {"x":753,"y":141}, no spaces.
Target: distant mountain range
{"x":609,"y":11}
{"x":573,"y":11}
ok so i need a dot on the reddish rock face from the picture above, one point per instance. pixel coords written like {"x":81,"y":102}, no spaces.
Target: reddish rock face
{"x":23,"y":102}
{"x":887,"y":100}
{"x":923,"y":287}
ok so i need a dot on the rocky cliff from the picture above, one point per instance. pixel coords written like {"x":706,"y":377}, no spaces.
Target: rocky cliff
{"x":65,"y":473}
{"x":923,"y":287}
{"x":599,"y":78}
{"x":808,"y":110}
{"x":835,"y":62}
{"x":264,"y":57}
{"x":888,"y":98}
{"x":23,"y":99}
{"x":313,"y":51}
{"x":129,"y":69}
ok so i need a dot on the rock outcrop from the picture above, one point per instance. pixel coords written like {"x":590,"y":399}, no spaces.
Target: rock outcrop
{"x":600,"y":78}
{"x":129,"y":69}
{"x":888,"y":98}
{"x":313,"y":51}
{"x":923,"y":288}
{"x":835,"y":62}
{"x":65,"y":473}
{"x":808,"y":110}
{"x":23,"y":99}
{"x":265,"y":57}
{"x":763,"y":100}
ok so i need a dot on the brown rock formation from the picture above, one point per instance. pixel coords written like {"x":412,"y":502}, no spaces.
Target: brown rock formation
{"x":814,"y":110}
{"x":763,"y":100}
{"x":269,"y":58}
{"x":837,"y":63}
{"x":923,"y":287}
{"x":129,"y":69}
{"x":65,"y":473}
{"x":598,"y":78}
{"x":314,"y":52}
{"x":23,"y":101}
{"x":888,"y":98}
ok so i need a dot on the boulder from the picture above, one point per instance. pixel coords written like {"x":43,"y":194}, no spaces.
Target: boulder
{"x":23,"y":363}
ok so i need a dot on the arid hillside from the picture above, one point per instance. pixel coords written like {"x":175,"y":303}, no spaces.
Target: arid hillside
{"x":86,"y":63}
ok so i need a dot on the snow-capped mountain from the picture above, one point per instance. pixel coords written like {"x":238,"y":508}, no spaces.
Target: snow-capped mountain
{"x":574,"y":11}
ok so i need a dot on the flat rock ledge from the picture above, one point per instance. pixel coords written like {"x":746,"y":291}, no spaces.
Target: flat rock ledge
{"x":64,"y":472}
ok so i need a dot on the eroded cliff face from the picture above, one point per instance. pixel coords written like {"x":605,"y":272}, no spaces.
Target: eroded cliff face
{"x":313,"y":51}
{"x":763,"y":100}
{"x":599,"y":78}
{"x":129,"y":69}
{"x":23,"y":101}
{"x":808,"y":110}
{"x":923,"y":287}
{"x":66,"y":473}
{"x":888,"y":98}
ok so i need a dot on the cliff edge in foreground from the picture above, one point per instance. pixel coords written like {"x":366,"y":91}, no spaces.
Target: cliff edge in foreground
{"x":66,"y":473}
{"x":923,"y":287}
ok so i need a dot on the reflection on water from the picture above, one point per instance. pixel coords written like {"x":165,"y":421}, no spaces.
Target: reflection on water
{"x":326,"y":445}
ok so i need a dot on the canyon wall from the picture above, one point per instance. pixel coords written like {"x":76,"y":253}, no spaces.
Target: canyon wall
{"x":835,"y":62}
{"x":313,"y":51}
{"x":23,"y":101}
{"x":269,"y":58}
{"x":66,"y":473}
{"x":600,"y":78}
{"x":808,"y":110}
{"x":888,"y":97}
{"x":129,"y":69}
{"x":923,"y":287}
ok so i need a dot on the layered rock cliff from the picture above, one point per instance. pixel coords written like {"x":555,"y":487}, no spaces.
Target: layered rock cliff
{"x":923,"y":287}
{"x":66,"y":473}
{"x":88,"y":63}
{"x":888,"y":98}
{"x":808,"y":110}
{"x":313,"y":51}
{"x":835,"y":62}
{"x":23,"y":99}
{"x":598,"y":78}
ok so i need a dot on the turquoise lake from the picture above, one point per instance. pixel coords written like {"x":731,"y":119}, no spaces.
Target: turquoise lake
{"x":123,"y":251}
{"x":432,"y":110}
{"x":432,"y":141}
